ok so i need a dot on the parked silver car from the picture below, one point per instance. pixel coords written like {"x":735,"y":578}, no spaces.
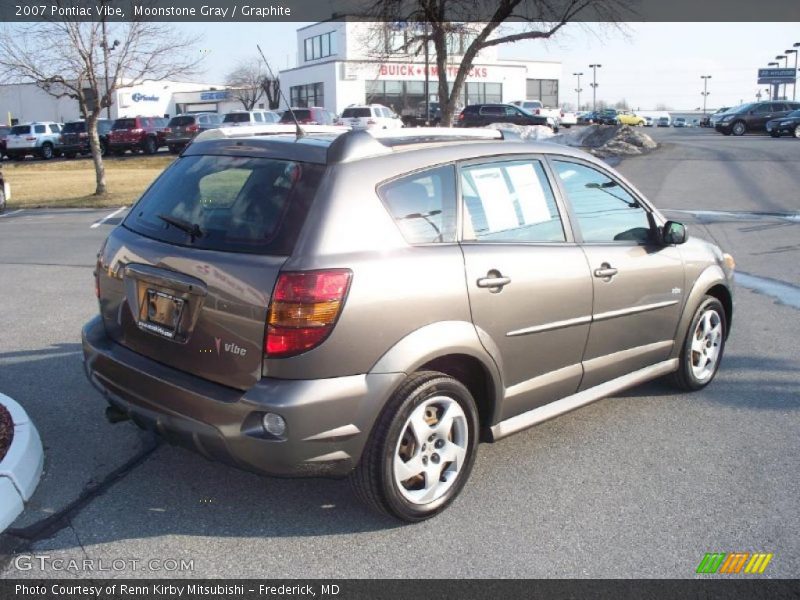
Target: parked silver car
{"x":373,"y":304}
{"x":38,"y":139}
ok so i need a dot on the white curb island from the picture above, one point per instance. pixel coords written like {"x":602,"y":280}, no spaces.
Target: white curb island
{"x":21,"y":468}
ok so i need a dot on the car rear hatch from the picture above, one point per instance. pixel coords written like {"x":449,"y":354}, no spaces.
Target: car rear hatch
{"x":74,"y":134}
{"x":125,"y":131}
{"x":21,"y":136}
{"x":181,"y":128}
{"x":187,"y":278}
{"x":357,"y":118}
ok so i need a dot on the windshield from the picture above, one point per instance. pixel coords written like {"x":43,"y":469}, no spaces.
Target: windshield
{"x":300,"y":113}
{"x":741,"y":108}
{"x":794,"y":114}
{"x":74,"y":127}
{"x":237,"y":204}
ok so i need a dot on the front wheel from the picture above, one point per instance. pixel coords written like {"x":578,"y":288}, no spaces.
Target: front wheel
{"x":774,"y":134}
{"x":797,"y":131}
{"x":703,"y":347}
{"x":421,"y":450}
{"x":738,"y":128}
{"x":46,"y":152}
{"x":150,"y":146}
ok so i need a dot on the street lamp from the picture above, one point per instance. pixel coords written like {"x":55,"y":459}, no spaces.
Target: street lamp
{"x":705,"y":79}
{"x":794,"y":84}
{"x":594,"y":85}
{"x":775,"y":86}
{"x":785,"y":65}
{"x":579,"y":89}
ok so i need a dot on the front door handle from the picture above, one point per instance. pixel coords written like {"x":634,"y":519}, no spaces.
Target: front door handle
{"x":494,"y":281}
{"x":606,"y":271}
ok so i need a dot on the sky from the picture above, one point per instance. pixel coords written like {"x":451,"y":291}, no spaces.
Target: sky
{"x":645,"y":63}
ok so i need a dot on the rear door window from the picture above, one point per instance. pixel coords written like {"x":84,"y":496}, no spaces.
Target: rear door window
{"x":258,"y":118}
{"x":54,"y":128}
{"x":239,"y":204}
{"x":39,"y":128}
{"x":423,"y":205}
{"x":509,"y":202}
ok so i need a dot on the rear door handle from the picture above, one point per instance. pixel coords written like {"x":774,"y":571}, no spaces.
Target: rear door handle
{"x":606,"y":271}
{"x":494,"y":281}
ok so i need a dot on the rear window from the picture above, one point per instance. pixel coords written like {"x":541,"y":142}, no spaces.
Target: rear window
{"x":75,"y":127}
{"x":124,"y":124}
{"x":20,"y":129}
{"x":300,"y":113}
{"x":237,"y":118}
{"x":353,"y":113}
{"x":240,"y":204}
{"x":181,"y":121}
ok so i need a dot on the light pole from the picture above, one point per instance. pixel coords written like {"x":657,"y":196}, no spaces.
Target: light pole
{"x":594,"y":84}
{"x":785,"y":65}
{"x":578,"y":89}
{"x":775,"y":86}
{"x":794,"y":85}
{"x":705,"y":79}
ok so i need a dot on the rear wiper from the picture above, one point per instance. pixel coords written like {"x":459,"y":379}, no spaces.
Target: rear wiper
{"x":193,"y":229}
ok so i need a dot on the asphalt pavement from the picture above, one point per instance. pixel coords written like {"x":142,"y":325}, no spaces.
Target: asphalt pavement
{"x":639,"y":485}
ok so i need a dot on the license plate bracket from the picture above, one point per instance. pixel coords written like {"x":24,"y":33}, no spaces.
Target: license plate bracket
{"x":161,"y":313}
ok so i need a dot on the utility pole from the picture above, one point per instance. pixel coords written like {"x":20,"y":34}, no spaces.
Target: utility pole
{"x":594,"y":85}
{"x":705,"y":79}
{"x":579,"y":89}
{"x":105,"y":60}
{"x":785,"y":65}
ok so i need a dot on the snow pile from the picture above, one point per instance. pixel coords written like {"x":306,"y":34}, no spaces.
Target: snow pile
{"x":601,"y":140}
{"x":526,"y":132}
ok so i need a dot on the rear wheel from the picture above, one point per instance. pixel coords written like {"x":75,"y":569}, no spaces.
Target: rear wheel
{"x":150,"y":146}
{"x":797,"y":131}
{"x":421,"y":450}
{"x":738,"y":128}
{"x":46,"y":151}
{"x":703,"y":347}
{"x":70,"y":154}
{"x":2,"y":198}
{"x":774,"y":134}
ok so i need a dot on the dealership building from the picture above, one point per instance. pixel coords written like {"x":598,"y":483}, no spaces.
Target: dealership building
{"x":338,"y":64}
{"x":344,"y":63}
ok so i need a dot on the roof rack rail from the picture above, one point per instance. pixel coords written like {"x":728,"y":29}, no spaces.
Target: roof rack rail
{"x":363,"y":143}
{"x":268,"y":129}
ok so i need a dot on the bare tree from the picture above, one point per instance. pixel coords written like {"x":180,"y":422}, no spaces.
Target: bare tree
{"x":90,"y":61}
{"x":441,"y":20}
{"x":272,"y":90}
{"x":246,"y":82}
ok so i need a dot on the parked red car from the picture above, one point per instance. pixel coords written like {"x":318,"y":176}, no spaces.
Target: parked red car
{"x":313,"y":115}
{"x":137,"y":134}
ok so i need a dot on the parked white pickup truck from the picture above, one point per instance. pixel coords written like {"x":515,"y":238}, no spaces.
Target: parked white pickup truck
{"x":558,"y":116}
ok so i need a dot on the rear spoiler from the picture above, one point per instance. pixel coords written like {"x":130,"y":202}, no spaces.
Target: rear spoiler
{"x":269,"y":129}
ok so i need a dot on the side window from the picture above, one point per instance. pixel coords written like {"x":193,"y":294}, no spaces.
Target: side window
{"x":39,"y":129}
{"x":763,"y":108}
{"x":54,"y":128}
{"x":604,"y":210}
{"x":492,"y":110}
{"x":257,"y":117}
{"x":509,"y":202}
{"x":423,"y":205}
{"x":777,"y":107}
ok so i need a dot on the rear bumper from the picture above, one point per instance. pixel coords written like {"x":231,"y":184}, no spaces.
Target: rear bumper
{"x":178,"y":140}
{"x":328,"y":420}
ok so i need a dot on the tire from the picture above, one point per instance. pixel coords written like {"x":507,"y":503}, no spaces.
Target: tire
{"x":2,"y":198}
{"x":421,"y":397}
{"x":738,"y":128}
{"x":46,"y":151}
{"x":709,"y":323}
{"x":150,"y":146}
{"x":70,"y":154}
{"x":17,"y":156}
{"x":797,"y":132}
{"x":118,"y":152}
{"x":174,"y":149}
{"x":103,"y":149}
{"x":774,"y":134}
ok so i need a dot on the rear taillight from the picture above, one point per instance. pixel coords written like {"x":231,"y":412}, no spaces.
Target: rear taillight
{"x":461,"y":117}
{"x":304,"y":309}
{"x":30,"y":138}
{"x":191,"y":128}
{"x":538,"y":111}
{"x":136,"y":130}
{"x":371,"y":121}
{"x":562,"y":114}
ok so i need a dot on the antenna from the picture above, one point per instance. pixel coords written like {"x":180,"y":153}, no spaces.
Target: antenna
{"x":300,"y":132}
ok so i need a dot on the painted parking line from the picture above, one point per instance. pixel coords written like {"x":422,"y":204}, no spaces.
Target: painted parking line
{"x":97,"y":224}
{"x":13,"y":212}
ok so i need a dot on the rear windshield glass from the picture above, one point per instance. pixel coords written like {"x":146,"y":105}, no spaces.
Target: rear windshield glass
{"x":76,"y":127}
{"x":20,"y":129}
{"x":237,"y":118}
{"x":239,"y":204}
{"x":352,"y":113}
{"x":124,"y":124}
{"x":300,"y":113}
{"x":181,"y":121}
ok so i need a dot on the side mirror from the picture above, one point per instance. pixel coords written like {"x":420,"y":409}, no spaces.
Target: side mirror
{"x":673,"y":233}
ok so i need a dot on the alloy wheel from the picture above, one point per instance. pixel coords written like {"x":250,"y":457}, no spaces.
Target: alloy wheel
{"x":706,"y":345}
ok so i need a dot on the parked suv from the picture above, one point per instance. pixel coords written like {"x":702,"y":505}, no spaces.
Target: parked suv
{"x":75,"y":137}
{"x":41,"y":139}
{"x":313,"y":115}
{"x":753,"y":116}
{"x":369,"y":116}
{"x":480,"y":115}
{"x":4,"y":131}
{"x":137,"y":134}
{"x":183,"y":128}
{"x":249,"y":117}
{"x":373,"y":304}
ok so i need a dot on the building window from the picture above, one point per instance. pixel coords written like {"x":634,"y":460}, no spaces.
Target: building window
{"x":408,"y":97}
{"x":320,"y":46}
{"x":303,"y":96}
{"x":545,"y":90}
{"x":408,"y":40}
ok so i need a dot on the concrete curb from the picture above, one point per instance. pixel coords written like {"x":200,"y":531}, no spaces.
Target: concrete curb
{"x":21,"y":468}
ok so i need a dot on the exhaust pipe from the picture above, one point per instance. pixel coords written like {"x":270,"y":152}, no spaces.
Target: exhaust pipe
{"x":115,"y":415}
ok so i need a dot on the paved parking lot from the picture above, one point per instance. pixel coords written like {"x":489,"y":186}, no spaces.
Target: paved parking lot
{"x":639,"y":485}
